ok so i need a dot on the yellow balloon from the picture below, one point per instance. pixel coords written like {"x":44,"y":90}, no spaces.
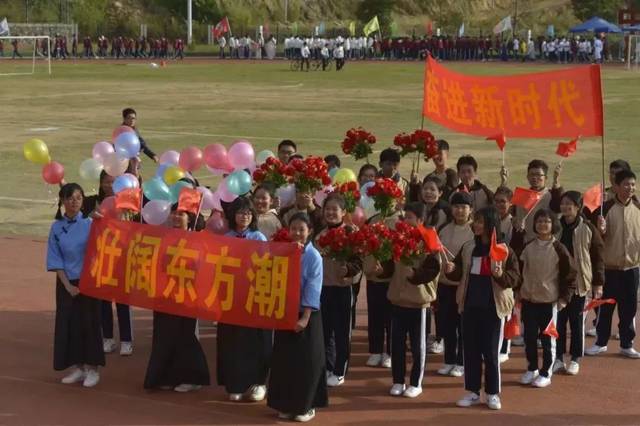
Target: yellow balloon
{"x":173,"y":174}
{"x":36,"y":151}
{"x":344,"y":176}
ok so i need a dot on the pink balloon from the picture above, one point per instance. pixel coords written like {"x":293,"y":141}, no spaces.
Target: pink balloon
{"x":321,"y":195}
{"x":207,"y":198}
{"x":217,"y":172}
{"x":358,"y":217}
{"x":217,"y":224}
{"x":115,"y":165}
{"x":215,"y":156}
{"x":101,"y":150}
{"x":119,"y":130}
{"x":53,"y":172}
{"x":224,"y":193}
{"x":191,"y":159}
{"x":241,"y":155}
{"x":108,"y":207}
{"x":156,"y":212}
{"x":170,"y":157}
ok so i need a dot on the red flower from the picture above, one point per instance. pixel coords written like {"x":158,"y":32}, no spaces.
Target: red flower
{"x":357,"y":142}
{"x":420,"y":140}
{"x":281,"y":235}
{"x":385,"y":193}
{"x":338,"y":243}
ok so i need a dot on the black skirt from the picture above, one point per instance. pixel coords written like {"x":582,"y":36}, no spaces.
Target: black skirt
{"x":243,"y":355}
{"x":176,"y":354}
{"x":298,"y":382}
{"x":78,"y":336}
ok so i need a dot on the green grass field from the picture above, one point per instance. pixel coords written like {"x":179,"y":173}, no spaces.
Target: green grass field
{"x":201,"y":103}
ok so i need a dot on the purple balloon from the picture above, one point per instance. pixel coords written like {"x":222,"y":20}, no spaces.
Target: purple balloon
{"x":170,"y":157}
{"x":101,"y":150}
{"x":208,"y":202}
{"x":224,"y":193}
{"x":241,"y":155}
{"x":156,"y":212}
{"x":128,"y":143}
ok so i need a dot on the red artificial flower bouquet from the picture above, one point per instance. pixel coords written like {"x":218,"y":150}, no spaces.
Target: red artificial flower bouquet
{"x":338,"y":243}
{"x":357,"y":143}
{"x":351,"y":194}
{"x":375,"y":240}
{"x":281,"y":236}
{"x":310,"y":174}
{"x":408,"y":243}
{"x":420,"y":140}
{"x":274,"y":172}
{"x":385,"y":193}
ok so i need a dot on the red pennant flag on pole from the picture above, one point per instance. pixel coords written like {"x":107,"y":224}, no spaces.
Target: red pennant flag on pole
{"x":566,"y":149}
{"x":592,"y":198}
{"x":501,"y":140}
{"x":129,"y":199}
{"x":498,"y":252}
{"x":189,"y":200}
{"x":431,"y":240}
{"x":525,"y":198}
{"x":551,"y":330}
{"x":598,"y":302}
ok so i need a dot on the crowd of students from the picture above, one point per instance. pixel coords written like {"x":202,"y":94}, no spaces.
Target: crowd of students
{"x":559,"y":255}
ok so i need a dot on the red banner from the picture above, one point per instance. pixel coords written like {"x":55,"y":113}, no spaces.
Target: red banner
{"x":194,"y":274}
{"x":554,"y":104}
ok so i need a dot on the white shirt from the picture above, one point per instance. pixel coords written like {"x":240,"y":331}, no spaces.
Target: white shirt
{"x":325,"y":52}
{"x":338,"y":52}
{"x":597,"y":47}
{"x":222,"y":41}
{"x":305,"y":52}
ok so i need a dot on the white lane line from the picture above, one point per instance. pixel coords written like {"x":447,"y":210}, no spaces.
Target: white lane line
{"x":27,"y":200}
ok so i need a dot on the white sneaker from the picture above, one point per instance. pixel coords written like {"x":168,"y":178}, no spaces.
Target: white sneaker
{"x":528,"y":377}
{"x":126,"y":348}
{"x":257,"y":393}
{"x":235,"y":397}
{"x":305,"y":417}
{"x":397,"y":389}
{"x":457,"y":371}
{"x":91,"y":379}
{"x":386,"y":361}
{"x":502,"y":358}
{"x":412,"y":392}
{"x":446,"y":369}
{"x":595,"y":350}
{"x":186,"y":387}
{"x":77,"y":375}
{"x":591,"y":332}
{"x":573,"y":368}
{"x":630,"y":353}
{"x":558,"y":365}
{"x":374,"y":360}
{"x":334,"y":381}
{"x":517,"y":341}
{"x":468,"y":400}
{"x":541,"y":382}
{"x":108,"y":345}
{"x":436,"y":347}
{"x":493,"y":402}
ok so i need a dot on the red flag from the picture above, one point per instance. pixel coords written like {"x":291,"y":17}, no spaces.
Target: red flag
{"x":498,"y":252}
{"x":566,"y":149}
{"x":598,"y":302}
{"x":189,"y":200}
{"x":501,"y":140}
{"x":431,"y":240}
{"x":221,"y":28}
{"x":129,"y":199}
{"x":551,"y":330}
{"x":592,"y":198}
{"x":512,"y":327}
{"x":525,"y":198}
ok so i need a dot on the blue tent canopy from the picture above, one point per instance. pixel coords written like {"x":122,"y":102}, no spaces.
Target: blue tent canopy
{"x":631,"y":28}
{"x":597,"y":25}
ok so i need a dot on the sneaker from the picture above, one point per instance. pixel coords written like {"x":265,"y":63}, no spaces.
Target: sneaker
{"x":386,"y":361}
{"x":558,"y":365}
{"x":573,"y":368}
{"x":108,"y":345}
{"x":468,"y":400}
{"x":285,"y":416}
{"x":334,"y":381}
{"x":412,"y":392}
{"x":305,"y":417}
{"x":436,"y":347}
{"x":517,"y":341}
{"x":595,"y":350}
{"x":374,"y":360}
{"x":77,"y":375}
{"x":457,"y":371}
{"x":186,"y":387}
{"x":503,"y":358}
{"x":446,"y":369}
{"x":630,"y":353}
{"x":397,"y":389}
{"x":493,"y":402}
{"x":91,"y":379}
{"x":257,"y":393}
{"x":126,"y":348}
{"x":235,"y":397}
{"x":528,"y":377}
{"x":541,"y":382}
{"x":591,"y":332}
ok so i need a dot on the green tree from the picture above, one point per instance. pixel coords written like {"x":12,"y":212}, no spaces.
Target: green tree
{"x":380,"y":8}
{"x":606,"y":9}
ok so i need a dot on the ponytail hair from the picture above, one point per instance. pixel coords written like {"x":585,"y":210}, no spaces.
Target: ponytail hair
{"x":65,"y":192}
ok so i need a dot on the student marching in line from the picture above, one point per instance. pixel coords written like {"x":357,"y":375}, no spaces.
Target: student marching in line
{"x":268,"y":221}
{"x":548,"y":281}
{"x":244,"y":353}
{"x":411,"y":290}
{"x":77,"y":339}
{"x":177,"y":360}
{"x":485,"y":299}
{"x":297,"y":383}
{"x":481,"y":196}
{"x":453,"y":236}
{"x":585,"y":245}
{"x":337,"y":297}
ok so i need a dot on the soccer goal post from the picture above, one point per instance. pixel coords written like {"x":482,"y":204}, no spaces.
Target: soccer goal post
{"x":633,"y":52}
{"x":20,"y":47}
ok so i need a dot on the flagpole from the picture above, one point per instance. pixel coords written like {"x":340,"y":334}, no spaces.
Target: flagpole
{"x":602,"y":141}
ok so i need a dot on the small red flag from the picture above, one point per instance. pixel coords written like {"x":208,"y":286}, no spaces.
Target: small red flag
{"x":512,"y":327}
{"x":565,"y":149}
{"x":189,"y":200}
{"x":598,"y":302}
{"x":501,"y":140}
{"x":221,"y":28}
{"x":592,"y":198}
{"x":129,"y":199}
{"x":431,"y":240}
{"x":498,"y":252}
{"x":525,"y":198}
{"x":551,"y":330}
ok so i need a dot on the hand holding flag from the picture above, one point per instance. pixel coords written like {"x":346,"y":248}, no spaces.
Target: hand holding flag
{"x":431,"y":240}
{"x":501,"y":140}
{"x":498,"y":252}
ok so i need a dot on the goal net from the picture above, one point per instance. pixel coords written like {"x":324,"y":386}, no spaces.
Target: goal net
{"x":633,"y":53}
{"x":25,"y":55}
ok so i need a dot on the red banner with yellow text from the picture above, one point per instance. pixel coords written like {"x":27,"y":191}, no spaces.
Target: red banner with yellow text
{"x":554,"y":104}
{"x":194,"y":274}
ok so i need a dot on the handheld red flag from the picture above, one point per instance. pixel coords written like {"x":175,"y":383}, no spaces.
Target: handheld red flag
{"x":189,"y":200}
{"x":512,"y":327}
{"x":525,"y":198}
{"x":501,"y":140}
{"x":551,"y":330}
{"x":592,"y":198}
{"x":565,"y":149}
{"x":598,"y":302}
{"x":221,"y":28}
{"x":431,"y":240}
{"x":129,"y":199}
{"x":498,"y":252}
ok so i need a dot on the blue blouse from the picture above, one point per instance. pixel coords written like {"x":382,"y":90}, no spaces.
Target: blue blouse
{"x":247,"y":234}
{"x":311,"y":282}
{"x":67,"y":245}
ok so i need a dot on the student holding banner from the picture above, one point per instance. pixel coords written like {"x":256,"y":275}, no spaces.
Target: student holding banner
{"x":244,"y":353}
